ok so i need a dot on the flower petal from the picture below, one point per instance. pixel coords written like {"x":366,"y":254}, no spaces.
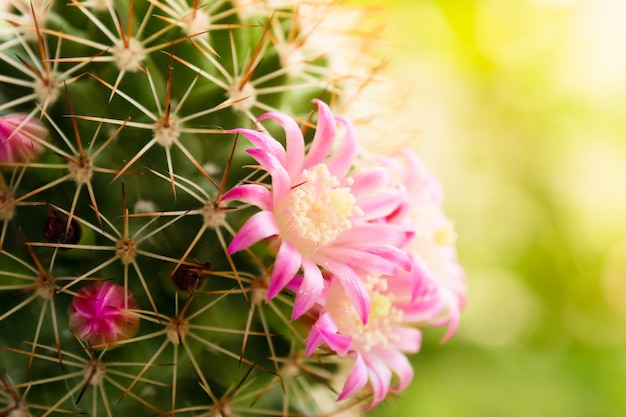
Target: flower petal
{"x":361,"y":235}
{"x":400,"y":366}
{"x":380,"y":379}
{"x":382,"y":204}
{"x":373,"y":179}
{"x":287,"y":263}
{"x":408,"y":339}
{"x":294,"y":141}
{"x":265,"y":142}
{"x":310,"y":289}
{"x":281,"y":183}
{"x":325,"y":330}
{"x":353,"y":287}
{"x":357,"y":379}
{"x":255,"y":194}
{"x":391,"y":254}
{"x":325,"y":133}
{"x":342,"y":160}
{"x":259,"y":226}
{"x":364,"y":260}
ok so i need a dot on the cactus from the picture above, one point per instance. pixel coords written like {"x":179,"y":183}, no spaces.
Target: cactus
{"x":190,"y":224}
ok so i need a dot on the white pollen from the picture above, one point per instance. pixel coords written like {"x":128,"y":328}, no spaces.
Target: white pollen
{"x":319,"y":210}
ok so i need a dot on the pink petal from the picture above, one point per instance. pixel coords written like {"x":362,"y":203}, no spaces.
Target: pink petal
{"x":325,"y":331}
{"x":259,"y":226}
{"x":382,"y":204}
{"x":281,"y":183}
{"x":391,"y":254}
{"x":363,"y":260}
{"x":294,"y":141}
{"x":380,"y":379}
{"x":310,"y":289}
{"x":408,"y":339}
{"x":361,"y":235}
{"x":384,"y":259}
{"x":400,"y":366}
{"x":325,"y":133}
{"x":286,"y":265}
{"x":295,"y":283}
{"x":357,"y":379}
{"x":255,"y":194}
{"x":21,"y":137}
{"x":373,"y":179}
{"x":353,"y":287}
{"x":264,"y":142}
{"x":422,"y":309}
{"x":342,"y":160}
{"x":98,"y":314}
{"x":452,"y":320}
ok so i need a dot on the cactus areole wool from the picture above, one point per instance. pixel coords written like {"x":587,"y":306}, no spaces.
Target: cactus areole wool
{"x":191,"y":223}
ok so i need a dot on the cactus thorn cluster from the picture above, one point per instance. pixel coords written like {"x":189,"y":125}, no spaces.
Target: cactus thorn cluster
{"x":190,"y":223}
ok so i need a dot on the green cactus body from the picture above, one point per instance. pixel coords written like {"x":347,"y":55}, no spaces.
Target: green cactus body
{"x":188,"y":223}
{"x":136,"y":97}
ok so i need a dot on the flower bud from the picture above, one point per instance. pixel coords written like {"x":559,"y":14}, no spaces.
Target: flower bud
{"x":19,"y":137}
{"x":101,"y":315}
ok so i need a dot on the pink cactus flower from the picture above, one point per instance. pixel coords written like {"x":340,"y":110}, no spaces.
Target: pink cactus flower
{"x":101,"y":315}
{"x":19,"y":136}
{"x":398,"y":303}
{"x":432,"y":236}
{"x":431,"y":293}
{"x":320,"y":215}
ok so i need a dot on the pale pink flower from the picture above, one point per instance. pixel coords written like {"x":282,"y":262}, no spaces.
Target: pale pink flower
{"x":320,"y":215}
{"x":19,"y":137}
{"x":101,"y":314}
{"x":431,"y":235}
{"x":378,"y":348}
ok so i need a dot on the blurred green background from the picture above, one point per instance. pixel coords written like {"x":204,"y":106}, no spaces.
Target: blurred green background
{"x":522,"y":111}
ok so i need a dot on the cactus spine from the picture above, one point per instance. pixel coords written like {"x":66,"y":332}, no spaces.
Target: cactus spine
{"x":131,"y":280}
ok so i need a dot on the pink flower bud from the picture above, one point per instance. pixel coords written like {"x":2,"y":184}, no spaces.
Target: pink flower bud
{"x":99,"y":314}
{"x":19,"y":136}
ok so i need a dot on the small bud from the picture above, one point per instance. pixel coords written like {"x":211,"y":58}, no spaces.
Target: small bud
{"x":19,"y":137}
{"x":101,"y":315}
{"x":56,"y":229}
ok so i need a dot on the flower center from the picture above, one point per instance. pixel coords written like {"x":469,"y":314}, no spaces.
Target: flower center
{"x":380,"y":307}
{"x":318,"y":210}
{"x":445,"y":234}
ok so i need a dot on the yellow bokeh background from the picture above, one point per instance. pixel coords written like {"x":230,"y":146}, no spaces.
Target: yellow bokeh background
{"x":521,"y":106}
